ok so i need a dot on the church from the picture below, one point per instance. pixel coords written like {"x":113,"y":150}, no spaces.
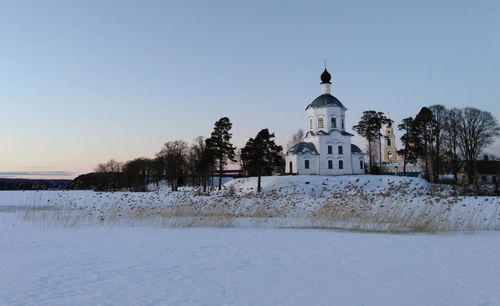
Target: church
{"x":326,"y":148}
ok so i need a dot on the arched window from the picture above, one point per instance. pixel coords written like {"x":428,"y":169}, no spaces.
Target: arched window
{"x":341,"y":150}
{"x":389,"y":142}
{"x":320,"y":123}
{"x":341,"y":164}
{"x":291,"y":167}
{"x":333,"y":122}
{"x":310,"y":124}
{"x":306,"y":164}
{"x":360,"y":164}
{"x":343,"y":124}
{"x":389,"y":155}
{"x":330,"y":164}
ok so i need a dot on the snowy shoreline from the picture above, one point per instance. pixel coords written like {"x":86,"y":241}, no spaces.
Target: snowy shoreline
{"x":356,"y":203}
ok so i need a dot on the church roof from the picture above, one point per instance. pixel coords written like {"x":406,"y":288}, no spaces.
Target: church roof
{"x":355,"y":149}
{"x":302,"y":148}
{"x":321,"y":132}
{"x":325,"y":100}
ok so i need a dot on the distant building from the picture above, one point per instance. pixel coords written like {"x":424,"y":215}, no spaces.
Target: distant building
{"x":390,"y":153}
{"x":326,"y":148}
{"x":487,"y":172}
{"x":393,"y":159}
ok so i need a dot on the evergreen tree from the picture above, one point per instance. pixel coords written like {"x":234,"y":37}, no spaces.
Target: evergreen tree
{"x":424,"y":123}
{"x":369,"y":127}
{"x":410,"y":141}
{"x":220,"y":146}
{"x":261,"y":155}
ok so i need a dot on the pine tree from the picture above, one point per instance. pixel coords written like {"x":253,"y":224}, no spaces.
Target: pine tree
{"x":369,"y":128}
{"x":261,"y":155}
{"x":424,"y":123}
{"x":410,"y":141}
{"x":220,"y":146}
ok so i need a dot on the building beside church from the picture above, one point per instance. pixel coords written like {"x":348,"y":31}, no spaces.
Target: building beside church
{"x":326,"y":148}
{"x":393,"y":160}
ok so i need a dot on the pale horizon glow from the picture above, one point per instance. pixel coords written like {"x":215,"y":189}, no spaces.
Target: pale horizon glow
{"x":86,"y":81}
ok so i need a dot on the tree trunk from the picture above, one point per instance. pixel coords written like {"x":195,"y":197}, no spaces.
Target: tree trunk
{"x":404,"y":158}
{"x":259,"y":188}
{"x":370,"y":155}
{"x":379,"y":153}
{"x":204,"y":179}
{"x":427,"y":177}
{"x":437,"y":165}
{"x":221,"y":169}
{"x":470,"y":172}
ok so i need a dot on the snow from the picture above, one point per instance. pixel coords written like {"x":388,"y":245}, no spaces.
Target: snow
{"x":114,"y":265}
{"x":364,"y":202}
{"x":122,"y":248}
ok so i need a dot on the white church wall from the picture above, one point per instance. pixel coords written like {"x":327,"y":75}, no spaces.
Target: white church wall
{"x":336,"y":140}
{"x":291,"y":162}
{"x":325,"y":113}
{"x":313,"y":164}
{"x":356,"y":159}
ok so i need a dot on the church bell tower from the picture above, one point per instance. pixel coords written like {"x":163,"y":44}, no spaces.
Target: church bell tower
{"x":390,"y":154}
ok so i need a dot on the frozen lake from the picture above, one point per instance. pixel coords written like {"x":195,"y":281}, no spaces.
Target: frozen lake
{"x":117,"y":265}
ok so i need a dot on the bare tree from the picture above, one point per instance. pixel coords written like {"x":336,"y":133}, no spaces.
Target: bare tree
{"x":137,"y":173}
{"x":439,"y":113}
{"x":109,"y":166}
{"x":201,"y":161}
{"x":451,"y":130}
{"x":296,"y":138}
{"x":477,"y":130}
{"x":174,"y":157}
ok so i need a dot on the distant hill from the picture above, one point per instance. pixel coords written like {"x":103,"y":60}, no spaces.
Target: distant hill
{"x":33,"y":184}
{"x":107,"y":181}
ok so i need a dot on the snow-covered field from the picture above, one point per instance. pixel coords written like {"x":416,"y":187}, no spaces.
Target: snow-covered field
{"x":115,"y":265}
{"x":362,"y":203}
{"x":161,"y":248}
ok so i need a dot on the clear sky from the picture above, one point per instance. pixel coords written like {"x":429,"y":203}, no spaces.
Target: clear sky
{"x":85,"y":81}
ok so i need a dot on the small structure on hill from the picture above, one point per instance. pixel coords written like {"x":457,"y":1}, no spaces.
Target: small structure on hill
{"x":326,"y":148}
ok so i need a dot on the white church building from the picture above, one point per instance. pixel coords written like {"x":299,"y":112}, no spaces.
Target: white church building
{"x":326,"y":148}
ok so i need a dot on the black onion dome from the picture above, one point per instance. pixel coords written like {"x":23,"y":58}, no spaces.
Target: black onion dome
{"x":326,"y":100}
{"x":326,"y":77}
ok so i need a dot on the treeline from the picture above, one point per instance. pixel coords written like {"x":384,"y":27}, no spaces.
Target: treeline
{"x":444,"y":139}
{"x":33,"y":184}
{"x":180,"y":164}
